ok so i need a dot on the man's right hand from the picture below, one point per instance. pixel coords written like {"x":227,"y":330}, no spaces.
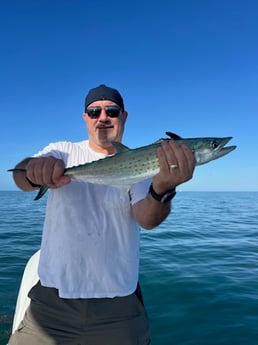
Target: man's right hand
{"x":41,"y":171}
{"x":48,"y":171}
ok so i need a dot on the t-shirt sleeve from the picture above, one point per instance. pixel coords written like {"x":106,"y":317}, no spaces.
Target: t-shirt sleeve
{"x":139,"y":191}
{"x":57,"y":150}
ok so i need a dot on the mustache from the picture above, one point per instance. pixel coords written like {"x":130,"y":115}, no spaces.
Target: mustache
{"x":101,"y":126}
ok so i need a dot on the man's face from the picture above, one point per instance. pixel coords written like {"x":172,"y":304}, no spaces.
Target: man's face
{"x":104,"y":129}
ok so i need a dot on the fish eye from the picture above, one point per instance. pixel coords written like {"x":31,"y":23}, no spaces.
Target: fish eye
{"x":214,"y":144}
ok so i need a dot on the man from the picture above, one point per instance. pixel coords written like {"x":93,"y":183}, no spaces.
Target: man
{"x":88,"y":292}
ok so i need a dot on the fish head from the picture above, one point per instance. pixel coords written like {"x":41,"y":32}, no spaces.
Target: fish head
{"x":208,"y":149}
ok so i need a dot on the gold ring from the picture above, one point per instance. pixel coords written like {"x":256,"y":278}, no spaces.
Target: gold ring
{"x":173,"y":166}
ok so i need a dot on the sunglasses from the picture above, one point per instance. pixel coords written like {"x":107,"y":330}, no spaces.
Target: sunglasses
{"x":111,"y":111}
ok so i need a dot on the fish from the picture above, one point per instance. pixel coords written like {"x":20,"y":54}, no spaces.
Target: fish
{"x":129,"y":166}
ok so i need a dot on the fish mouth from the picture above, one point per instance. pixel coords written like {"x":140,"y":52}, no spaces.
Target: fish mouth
{"x":223,"y":150}
{"x":224,"y":141}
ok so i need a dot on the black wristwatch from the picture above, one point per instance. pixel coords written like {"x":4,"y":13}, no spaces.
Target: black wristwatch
{"x":169,"y":195}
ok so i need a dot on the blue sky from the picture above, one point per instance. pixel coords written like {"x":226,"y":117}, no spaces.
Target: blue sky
{"x":187,"y":66}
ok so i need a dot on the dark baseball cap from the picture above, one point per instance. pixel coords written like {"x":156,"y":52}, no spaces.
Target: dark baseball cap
{"x":103,"y":92}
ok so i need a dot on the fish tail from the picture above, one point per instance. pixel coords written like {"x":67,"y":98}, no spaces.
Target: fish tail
{"x":17,"y":170}
{"x":42,"y":190}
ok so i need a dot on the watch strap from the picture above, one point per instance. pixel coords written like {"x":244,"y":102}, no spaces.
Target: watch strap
{"x":167,"y":196}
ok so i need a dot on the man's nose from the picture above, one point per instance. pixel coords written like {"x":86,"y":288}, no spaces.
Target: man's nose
{"x":103,"y":115}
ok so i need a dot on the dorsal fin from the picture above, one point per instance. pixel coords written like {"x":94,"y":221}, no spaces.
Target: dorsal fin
{"x":119,"y":147}
{"x":173,"y":136}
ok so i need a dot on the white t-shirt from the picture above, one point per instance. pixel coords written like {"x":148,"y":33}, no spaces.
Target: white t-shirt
{"x":90,"y":241}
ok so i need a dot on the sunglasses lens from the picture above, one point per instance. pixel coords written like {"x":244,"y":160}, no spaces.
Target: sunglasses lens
{"x":112,"y":111}
{"x":94,"y":112}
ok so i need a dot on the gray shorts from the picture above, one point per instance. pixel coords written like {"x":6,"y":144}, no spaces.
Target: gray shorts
{"x":51,"y":320}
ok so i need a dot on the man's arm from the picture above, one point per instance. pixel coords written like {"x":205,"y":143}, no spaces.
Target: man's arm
{"x":149,"y":212}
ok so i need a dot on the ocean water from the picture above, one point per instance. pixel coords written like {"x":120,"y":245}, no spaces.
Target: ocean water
{"x":198,"y":270}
